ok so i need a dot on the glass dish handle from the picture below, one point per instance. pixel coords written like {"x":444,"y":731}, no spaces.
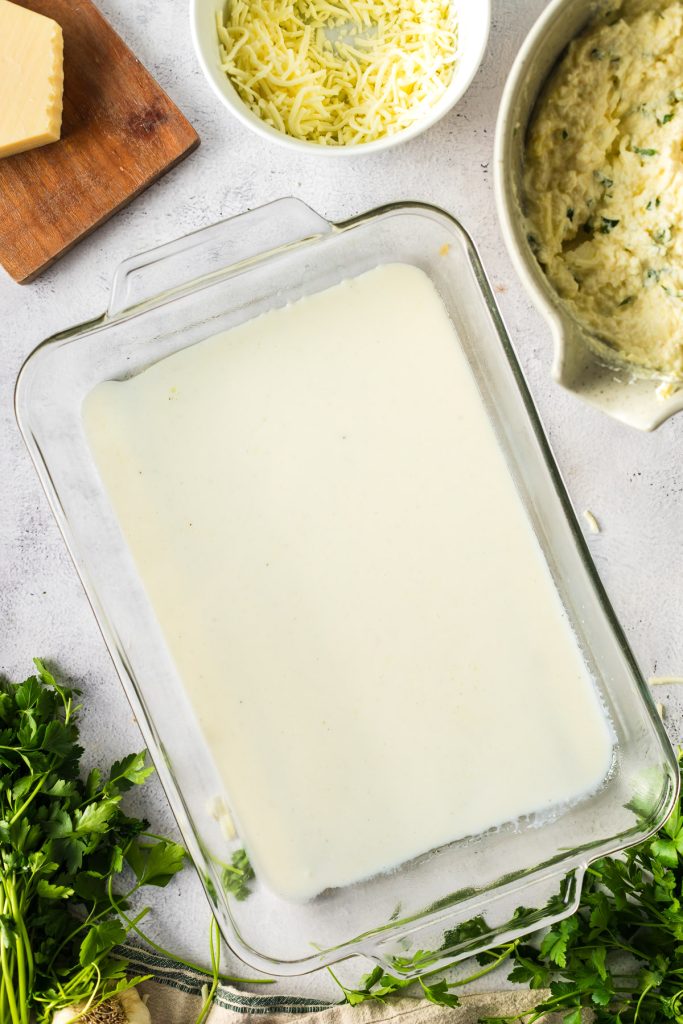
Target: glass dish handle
{"x":181,"y":265}
{"x":521,"y":906}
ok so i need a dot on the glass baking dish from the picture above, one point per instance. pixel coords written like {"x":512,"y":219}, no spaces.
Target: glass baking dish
{"x":461,"y":898}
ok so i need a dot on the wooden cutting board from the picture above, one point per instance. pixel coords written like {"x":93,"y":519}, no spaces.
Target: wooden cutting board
{"x":120,"y":133}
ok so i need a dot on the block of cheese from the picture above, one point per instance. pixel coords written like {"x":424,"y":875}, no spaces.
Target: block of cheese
{"x":31,"y":79}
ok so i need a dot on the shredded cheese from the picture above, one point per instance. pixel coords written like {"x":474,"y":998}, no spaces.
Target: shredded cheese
{"x":218,"y":810}
{"x":667,"y":389}
{"x":593,"y":524}
{"x":339,"y":72}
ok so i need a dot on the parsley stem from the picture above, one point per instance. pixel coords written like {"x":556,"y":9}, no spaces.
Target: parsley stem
{"x":336,"y":979}
{"x":91,"y":998}
{"x":164,"y":952}
{"x":627,"y":949}
{"x":23,"y":955}
{"x":23,"y":938}
{"x":4,"y":1012}
{"x":153,"y":835}
{"x":8,"y":973}
{"x":560,"y":999}
{"x":639,"y":1003}
{"x":20,"y":752}
{"x":504,"y":955}
{"x":21,"y":959}
{"x":228,"y":867}
{"x":27,"y":802}
{"x":215,"y":949}
{"x":90,"y":919}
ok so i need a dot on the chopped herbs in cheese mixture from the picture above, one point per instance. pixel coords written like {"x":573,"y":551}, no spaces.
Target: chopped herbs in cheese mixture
{"x":604,"y":182}
{"x":339,"y":72}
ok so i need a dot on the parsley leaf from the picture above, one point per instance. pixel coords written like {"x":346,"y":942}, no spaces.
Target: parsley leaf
{"x":237,"y":875}
{"x":96,"y":818}
{"x":155,"y":863}
{"x":438,"y":993}
{"x":101,"y":938}
{"x":607,"y":225}
{"x":129,"y":772}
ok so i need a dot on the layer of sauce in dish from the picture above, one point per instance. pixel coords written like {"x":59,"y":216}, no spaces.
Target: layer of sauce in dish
{"x":604,"y":182}
{"x":348,"y":583}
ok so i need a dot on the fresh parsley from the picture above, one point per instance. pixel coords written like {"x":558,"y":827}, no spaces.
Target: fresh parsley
{"x":379,"y":985}
{"x":620,"y":956}
{"x":607,"y":225}
{"x":602,"y":179}
{"x":66,"y":850}
{"x":237,"y":875}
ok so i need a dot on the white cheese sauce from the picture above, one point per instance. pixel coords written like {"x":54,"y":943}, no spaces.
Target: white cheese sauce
{"x":348,"y":583}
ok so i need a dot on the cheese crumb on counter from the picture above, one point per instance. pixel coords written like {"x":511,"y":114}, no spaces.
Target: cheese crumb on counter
{"x":593,"y":524}
{"x":336,"y":73}
{"x":31,"y":79}
{"x":604,"y":184}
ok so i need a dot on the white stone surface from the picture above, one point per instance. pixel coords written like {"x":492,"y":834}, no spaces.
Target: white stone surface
{"x":632,"y":482}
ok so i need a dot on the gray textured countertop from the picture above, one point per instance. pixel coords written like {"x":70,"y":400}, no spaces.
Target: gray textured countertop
{"x":632,"y":482}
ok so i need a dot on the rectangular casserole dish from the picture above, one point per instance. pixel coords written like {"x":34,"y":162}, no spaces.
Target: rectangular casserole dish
{"x":461,"y":898}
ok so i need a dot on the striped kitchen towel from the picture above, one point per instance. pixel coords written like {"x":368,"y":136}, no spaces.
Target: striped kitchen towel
{"x":175,"y":996}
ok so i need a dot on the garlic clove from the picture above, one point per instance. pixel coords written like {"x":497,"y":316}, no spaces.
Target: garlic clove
{"x":136,"y":1010}
{"x":125,"y":1008}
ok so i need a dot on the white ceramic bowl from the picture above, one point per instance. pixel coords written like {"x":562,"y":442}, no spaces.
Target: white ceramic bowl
{"x":474,"y":20}
{"x":618,"y":390}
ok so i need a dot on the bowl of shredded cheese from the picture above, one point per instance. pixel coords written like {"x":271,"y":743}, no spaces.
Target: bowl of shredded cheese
{"x":339,"y":76}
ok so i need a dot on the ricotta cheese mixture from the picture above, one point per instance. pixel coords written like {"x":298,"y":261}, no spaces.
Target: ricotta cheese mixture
{"x":348,"y":582}
{"x":604,"y":183}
